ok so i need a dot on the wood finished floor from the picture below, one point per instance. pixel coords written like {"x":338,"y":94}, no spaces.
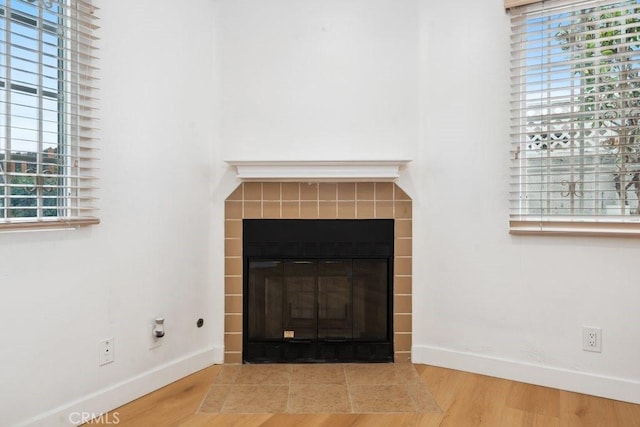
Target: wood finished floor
{"x":465,"y":399}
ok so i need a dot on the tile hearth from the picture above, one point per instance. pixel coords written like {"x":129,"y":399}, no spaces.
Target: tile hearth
{"x":319,"y":388}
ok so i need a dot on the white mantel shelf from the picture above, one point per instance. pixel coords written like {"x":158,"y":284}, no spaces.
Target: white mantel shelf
{"x":316,"y":170}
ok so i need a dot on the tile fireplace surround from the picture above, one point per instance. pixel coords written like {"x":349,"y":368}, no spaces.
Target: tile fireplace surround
{"x":301,"y":200}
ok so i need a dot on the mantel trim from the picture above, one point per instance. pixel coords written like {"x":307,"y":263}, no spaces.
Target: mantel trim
{"x":318,"y":170}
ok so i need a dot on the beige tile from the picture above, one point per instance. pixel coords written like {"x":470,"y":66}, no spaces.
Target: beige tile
{"x":381,"y":398}
{"x":384,"y":209}
{"x":328,"y":191}
{"x":372,"y":373}
{"x":290,"y":191}
{"x":291,"y":210}
{"x":233,"y":266}
{"x":264,"y":374}
{"x":399,"y":194}
{"x":364,"y":210}
{"x":233,"y":285}
{"x":309,"y":210}
{"x":268,"y":388}
{"x":233,"y":228}
{"x":402,"y":210}
{"x":402,"y":341}
{"x":253,"y":210}
{"x":328,"y":210}
{"x":271,"y":191}
{"x":227,"y":374}
{"x":233,"y":342}
{"x":365,"y":191}
{"x":422,"y":398}
{"x":233,"y":247}
{"x":233,"y":210}
{"x":346,"y":210}
{"x":402,"y":356}
{"x":254,"y":398}
{"x":233,"y":304}
{"x":403,"y":227}
{"x":318,"y":374}
{"x":402,"y":304}
{"x":408,"y":372}
{"x":403,"y":247}
{"x":215,"y":398}
{"x":402,"y":285}
{"x":271,"y":210}
{"x":232,"y":357}
{"x":402,"y":266}
{"x":309,"y":191}
{"x":252,"y":191}
{"x":402,"y":323}
{"x":347,"y":191}
{"x":236,"y":194}
{"x":233,"y":322}
{"x":315,"y":398}
{"x":384,"y":191}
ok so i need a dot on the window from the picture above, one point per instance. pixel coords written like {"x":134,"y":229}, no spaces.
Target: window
{"x":575,"y":108}
{"x":46,"y":125}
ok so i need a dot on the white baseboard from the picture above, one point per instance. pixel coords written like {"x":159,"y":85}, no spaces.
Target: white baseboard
{"x":117,"y":395}
{"x":581,"y":382}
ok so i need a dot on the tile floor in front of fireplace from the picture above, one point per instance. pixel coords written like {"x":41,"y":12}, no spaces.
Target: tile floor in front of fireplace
{"x":318,"y":388}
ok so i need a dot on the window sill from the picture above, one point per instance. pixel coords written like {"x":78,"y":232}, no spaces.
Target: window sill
{"x":47,"y":224}
{"x":576,"y":228}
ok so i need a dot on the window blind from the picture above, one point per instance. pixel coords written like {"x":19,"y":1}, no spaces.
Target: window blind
{"x":47,"y":125}
{"x":508,"y":4}
{"x":575,"y":108}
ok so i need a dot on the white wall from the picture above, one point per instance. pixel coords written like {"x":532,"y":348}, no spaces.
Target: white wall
{"x":186,"y":88}
{"x":318,"y":79}
{"x":509,"y":306}
{"x":63,"y":292}
{"x":430,"y":80}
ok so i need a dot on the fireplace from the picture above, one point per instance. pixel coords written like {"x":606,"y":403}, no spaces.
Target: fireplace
{"x":318,"y":290}
{"x":311,"y":201}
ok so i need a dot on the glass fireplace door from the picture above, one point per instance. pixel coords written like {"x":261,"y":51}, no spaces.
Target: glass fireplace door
{"x":335,"y":309}
{"x":315,"y":310}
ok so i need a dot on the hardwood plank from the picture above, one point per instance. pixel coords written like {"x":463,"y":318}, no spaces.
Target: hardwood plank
{"x":466,"y":399}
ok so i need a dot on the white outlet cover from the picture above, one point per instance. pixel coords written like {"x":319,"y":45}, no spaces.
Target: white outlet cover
{"x":592,"y":339}
{"x":106,"y":351}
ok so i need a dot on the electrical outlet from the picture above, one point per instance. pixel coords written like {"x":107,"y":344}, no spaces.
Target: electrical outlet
{"x":592,"y":339}
{"x":154,"y":342}
{"x":106,"y":351}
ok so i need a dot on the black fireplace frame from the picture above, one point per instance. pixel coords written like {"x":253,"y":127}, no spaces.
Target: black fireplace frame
{"x":320,"y":239}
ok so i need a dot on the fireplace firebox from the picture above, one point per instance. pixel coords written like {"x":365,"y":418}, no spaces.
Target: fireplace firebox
{"x":318,"y":290}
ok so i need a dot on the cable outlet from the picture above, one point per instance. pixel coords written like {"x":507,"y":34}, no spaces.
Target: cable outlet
{"x":106,"y":351}
{"x":592,"y":339}
{"x":154,"y":341}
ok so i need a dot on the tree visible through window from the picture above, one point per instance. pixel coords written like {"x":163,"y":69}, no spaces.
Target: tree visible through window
{"x":46,"y":146}
{"x":575,"y":113}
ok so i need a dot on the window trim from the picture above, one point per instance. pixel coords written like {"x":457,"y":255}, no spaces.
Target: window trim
{"x":44,"y":223}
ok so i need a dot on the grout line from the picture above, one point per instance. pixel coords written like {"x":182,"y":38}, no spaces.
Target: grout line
{"x":289,"y":390}
{"x":346,"y":381}
{"x":204,"y":398}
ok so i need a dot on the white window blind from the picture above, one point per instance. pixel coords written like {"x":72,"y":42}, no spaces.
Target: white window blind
{"x":575,"y":107}
{"x":47,"y":90}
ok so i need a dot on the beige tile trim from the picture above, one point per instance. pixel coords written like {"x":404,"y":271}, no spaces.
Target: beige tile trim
{"x":292,"y":200}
